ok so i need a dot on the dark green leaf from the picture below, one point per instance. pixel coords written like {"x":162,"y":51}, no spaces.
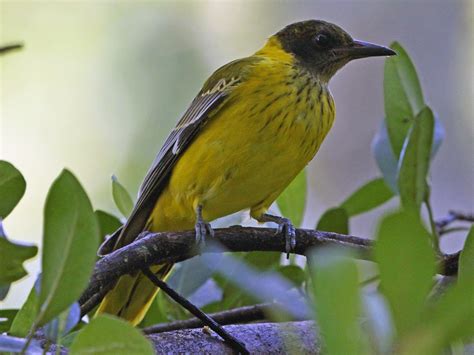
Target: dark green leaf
{"x":403,"y":96}
{"x":25,"y":317}
{"x":6,"y":319}
{"x":107,"y":223}
{"x":12,"y":188}
{"x":369,"y":196}
{"x":334,"y":220}
{"x":293,"y":273}
{"x":466,"y":261}
{"x":107,"y":335}
{"x":70,"y":241}
{"x":415,"y":161}
{"x":12,"y":256}
{"x":293,"y":199}
{"x":122,"y":198}
{"x":407,"y":266}
{"x":337,"y":301}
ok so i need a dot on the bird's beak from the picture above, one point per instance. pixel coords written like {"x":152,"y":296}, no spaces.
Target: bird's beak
{"x":359,"y":49}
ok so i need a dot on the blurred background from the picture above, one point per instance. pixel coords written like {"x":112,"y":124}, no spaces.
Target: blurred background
{"x":100,"y":84}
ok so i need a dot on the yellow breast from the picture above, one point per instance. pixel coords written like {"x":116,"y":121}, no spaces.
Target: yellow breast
{"x":268,"y":130}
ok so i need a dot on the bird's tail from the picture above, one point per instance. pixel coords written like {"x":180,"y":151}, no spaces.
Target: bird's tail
{"x":132,"y":296}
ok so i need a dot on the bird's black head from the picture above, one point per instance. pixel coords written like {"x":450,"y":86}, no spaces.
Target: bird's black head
{"x":323,"y":47}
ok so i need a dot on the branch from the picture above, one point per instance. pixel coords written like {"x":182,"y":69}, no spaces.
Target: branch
{"x":244,"y":314}
{"x":169,"y":247}
{"x":259,"y":338}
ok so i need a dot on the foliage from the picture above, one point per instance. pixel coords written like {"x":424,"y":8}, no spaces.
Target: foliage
{"x":350,"y":316}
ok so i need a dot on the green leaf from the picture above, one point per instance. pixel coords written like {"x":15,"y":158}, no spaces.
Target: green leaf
{"x":337,"y":301}
{"x":443,"y":323}
{"x":369,"y":196}
{"x":12,"y":256}
{"x":293,"y":199}
{"x":108,"y":223}
{"x":334,"y":220}
{"x":107,"y":335}
{"x":70,"y":241}
{"x":403,"y":96}
{"x":407,"y":266}
{"x":415,"y":161}
{"x":122,"y":198}
{"x":294,"y":273}
{"x":12,"y":188}
{"x":6,"y":319}
{"x":25,"y":317}
{"x":466,"y":261}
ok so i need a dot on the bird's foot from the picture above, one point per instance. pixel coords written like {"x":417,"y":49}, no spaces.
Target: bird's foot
{"x":203,"y":229}
{"x":286,"y":228}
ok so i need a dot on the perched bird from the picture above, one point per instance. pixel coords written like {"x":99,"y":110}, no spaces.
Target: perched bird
{"x":255,"y":124}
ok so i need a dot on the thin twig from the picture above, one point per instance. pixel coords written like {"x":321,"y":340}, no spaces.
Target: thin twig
{"x":211,"y":323}
{"x":454,"y":216}
{"x":232,"y":316}
{"x":10,"y":47}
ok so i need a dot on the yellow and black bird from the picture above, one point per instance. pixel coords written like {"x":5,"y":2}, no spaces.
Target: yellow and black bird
{"x":255,"y":124}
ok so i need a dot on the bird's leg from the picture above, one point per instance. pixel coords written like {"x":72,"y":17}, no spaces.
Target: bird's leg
{"x":284,"y":226}
{"x":202,"y":228}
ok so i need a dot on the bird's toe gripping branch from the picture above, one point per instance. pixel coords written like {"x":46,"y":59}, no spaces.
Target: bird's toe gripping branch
{"x":285,"y":227}
{"x":202,"y":228}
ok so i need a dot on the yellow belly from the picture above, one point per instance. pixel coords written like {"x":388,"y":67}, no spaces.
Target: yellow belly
{"x":246,"y":155}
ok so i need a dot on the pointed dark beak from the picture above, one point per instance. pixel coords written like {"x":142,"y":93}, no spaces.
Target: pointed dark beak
{"x":360,"y":49}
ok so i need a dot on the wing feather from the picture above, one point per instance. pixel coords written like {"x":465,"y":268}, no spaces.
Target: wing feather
{"x":209,"y":100}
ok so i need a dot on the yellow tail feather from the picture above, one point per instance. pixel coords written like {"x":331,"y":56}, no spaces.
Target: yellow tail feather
{"x":132,"y":295}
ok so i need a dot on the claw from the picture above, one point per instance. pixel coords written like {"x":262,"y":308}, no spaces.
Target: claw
{"x":285,"y":227}
{"x":203,"y":229}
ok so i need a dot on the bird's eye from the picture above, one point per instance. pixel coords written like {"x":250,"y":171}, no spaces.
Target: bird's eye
{"x":322,"y":40}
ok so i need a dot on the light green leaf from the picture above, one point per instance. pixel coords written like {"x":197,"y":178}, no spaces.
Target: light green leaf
{"x":414,"y":162}
{"x":12,"y":188}
{"x":337,"y":301}
{"x":107,"y":335}
{"x":443,"y":323}
{"x":12,"y":256}
{"x":293,"y":199}
{"x":407,"y":266}
{"x":403,"y":96}
{"x":369,"y":196}
{"x":70,"y":241}
{"x":107,"y":223}
{"x":122,"y":198}
{"x":25,"y":317}
{"x":334,"y":220}
{"x":466,"y":261}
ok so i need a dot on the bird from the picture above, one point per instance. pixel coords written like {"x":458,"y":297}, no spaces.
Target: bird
{"x":254,"y":125}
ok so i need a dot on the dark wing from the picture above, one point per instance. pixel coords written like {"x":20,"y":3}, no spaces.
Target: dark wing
{"x":208,"y":101}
